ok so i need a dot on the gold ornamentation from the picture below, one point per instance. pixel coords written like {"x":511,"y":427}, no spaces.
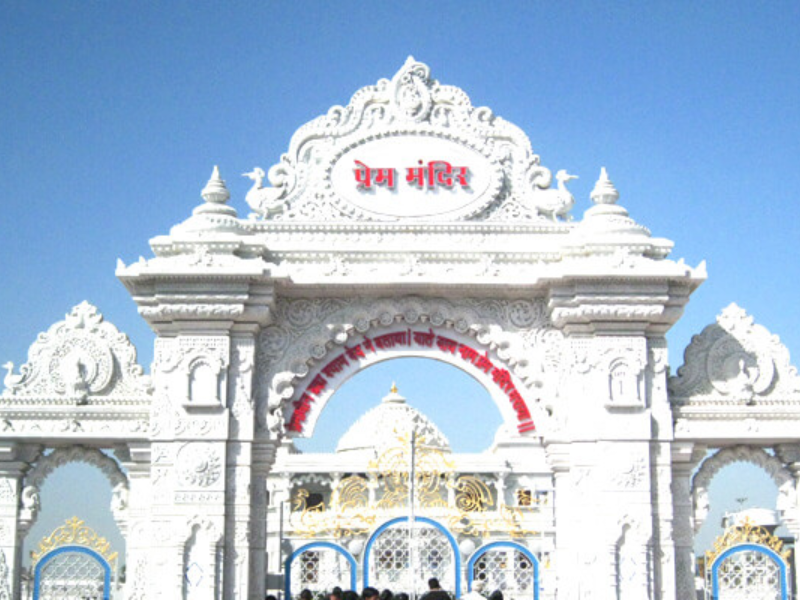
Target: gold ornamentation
{"x":474,"y":510}
{"x":75,"y":533}
{"x":746,"y":533}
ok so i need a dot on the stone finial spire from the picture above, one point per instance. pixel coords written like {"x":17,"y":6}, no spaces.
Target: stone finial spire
{"x":394,"y":396}
{"x":216,"y":196}
{"x":606,"y":217}
{"x":604,"y":191}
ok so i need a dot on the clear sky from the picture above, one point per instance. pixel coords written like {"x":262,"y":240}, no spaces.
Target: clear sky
{"x":113,"y":113}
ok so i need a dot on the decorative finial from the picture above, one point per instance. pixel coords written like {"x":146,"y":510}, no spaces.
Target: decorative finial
{"x":604,"y":191}
{"x":394,"y":396}
{"x":215,"y":191}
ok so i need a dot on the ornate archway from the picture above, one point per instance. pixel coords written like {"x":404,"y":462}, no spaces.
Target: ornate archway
{"x":756,"y":456}
{"x":320,"y":344}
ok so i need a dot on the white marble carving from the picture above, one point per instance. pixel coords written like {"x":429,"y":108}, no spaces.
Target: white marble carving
{"x":735,"y":361}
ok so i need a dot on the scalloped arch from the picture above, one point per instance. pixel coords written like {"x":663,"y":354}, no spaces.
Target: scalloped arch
{"x":727,"y":456}
{"x":62,"y":456}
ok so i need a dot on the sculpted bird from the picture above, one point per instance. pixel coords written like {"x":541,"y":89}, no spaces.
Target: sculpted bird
{"x":11,"y":380}
{"x":261,"y":199}
{"x":555,"y":202}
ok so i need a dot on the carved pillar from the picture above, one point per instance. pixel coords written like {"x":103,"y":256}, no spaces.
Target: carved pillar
{"x":790,"y":455}
{"x":566,"y":586}
{"x":138,"y":538}
{"x":685,"y":457}
{"x":263,"y":459}
{"x":13,"y":463}
{"x":279,"y":510}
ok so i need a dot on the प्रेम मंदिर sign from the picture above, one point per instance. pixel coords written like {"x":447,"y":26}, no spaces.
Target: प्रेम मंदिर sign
{"x":409,"y":338}
{"x":435,"y":174}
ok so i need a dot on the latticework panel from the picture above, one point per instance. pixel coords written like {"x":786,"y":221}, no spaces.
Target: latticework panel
{"x":319,"y":570}
{"x":72,"y":576}
{"x":748,"y":575}
{"x":390,"y":560}
{"x":507,"y":570}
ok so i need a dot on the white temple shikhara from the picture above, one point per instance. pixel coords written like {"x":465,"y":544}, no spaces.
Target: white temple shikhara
{"x":407,"y":223}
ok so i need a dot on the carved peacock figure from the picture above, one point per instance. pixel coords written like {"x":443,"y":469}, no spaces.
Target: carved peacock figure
{"x":555,"y":202}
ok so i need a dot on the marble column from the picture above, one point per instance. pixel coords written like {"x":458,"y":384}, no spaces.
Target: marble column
{"x":685,"y":457}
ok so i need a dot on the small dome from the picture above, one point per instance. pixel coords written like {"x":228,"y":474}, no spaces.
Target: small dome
{"x":380,"y":427}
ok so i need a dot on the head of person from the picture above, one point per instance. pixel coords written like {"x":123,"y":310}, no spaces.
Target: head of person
{"x":336,"y":594}
{"x":433,"y":584}
{"x":306,"y":595}
{"x":496,"y":595}
{"x":401,"y":596}
{"x":349,"y":595}
{"x":386,"y":595}
{"x":369,"y":593}
{"x":271,"y":597}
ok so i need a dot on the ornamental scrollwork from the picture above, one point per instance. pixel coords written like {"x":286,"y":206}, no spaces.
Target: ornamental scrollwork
{"x":747,"y":533}
{"x":199,"y":464}
{"x":83,"y":358}
{"x":411,"y":105}
{"x":74,"y":532}
{"x":307,"y":330}
{"x":735,"y":361}
{"x":351,"y":509}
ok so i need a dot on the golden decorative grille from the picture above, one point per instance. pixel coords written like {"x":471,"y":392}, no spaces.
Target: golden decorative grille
{"x":469,"y":509}
{"x":747,"y":533}
{"x":75,"y":533}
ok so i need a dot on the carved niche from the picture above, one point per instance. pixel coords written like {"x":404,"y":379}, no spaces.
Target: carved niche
{"x":196,"y":369}
{"x":735,"y":361}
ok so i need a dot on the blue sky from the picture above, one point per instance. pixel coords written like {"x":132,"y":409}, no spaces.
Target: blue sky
{"x":113,"y":113}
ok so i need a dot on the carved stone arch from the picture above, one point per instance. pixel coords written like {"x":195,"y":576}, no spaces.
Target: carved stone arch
{"x":727,"y":456}
{"x":307,"y":332}
{"x":62,"y":456}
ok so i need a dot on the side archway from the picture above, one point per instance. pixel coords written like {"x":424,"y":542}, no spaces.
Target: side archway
{"x":61,"y":456}
{"x":727,"y":456}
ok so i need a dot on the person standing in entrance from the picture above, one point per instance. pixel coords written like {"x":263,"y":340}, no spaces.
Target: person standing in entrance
{"x":435,"y":591}
{"x":477,"y":591}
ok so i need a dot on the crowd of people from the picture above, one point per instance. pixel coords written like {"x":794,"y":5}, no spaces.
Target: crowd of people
{"x":435,"y":592}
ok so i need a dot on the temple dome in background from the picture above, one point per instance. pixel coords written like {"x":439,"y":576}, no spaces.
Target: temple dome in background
{"x":381,"y":427}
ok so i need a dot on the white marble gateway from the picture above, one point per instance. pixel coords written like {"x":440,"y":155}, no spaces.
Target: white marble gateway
{"x":406,"y":223}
